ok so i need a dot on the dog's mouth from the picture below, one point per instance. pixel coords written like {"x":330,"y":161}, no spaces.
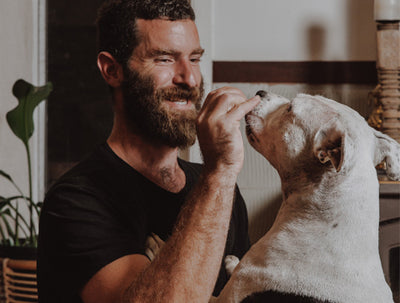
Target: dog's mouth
{"x":249,"y":130}
{"x":248,"y":126}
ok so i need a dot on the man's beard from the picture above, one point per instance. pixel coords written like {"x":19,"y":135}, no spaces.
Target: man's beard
{"x":146,"y":113}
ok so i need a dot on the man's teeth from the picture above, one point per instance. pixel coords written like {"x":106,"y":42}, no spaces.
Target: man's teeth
{"x":181,"y":102}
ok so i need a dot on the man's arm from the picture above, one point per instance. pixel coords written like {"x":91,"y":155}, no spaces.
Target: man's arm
{"x":187,"y":266}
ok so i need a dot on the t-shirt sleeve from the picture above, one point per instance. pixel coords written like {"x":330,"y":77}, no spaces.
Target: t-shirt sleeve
{"x":81,"y":232}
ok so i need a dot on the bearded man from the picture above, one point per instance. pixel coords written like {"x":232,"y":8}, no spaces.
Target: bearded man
{"x":96,"y":218}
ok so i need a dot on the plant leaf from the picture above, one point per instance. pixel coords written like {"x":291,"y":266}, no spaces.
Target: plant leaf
{"x":8,"y":177}
{"x":7,"y":201}
{"x":20,"y":119}
{"x":5,"y":175}
{"x":10,"y":232}
{"x":3,"y":203}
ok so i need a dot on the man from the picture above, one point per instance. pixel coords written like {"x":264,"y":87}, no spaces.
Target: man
{"x":96,"y":219}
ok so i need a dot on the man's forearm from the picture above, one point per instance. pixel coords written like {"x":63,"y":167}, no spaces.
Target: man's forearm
{"x":188,"y":265}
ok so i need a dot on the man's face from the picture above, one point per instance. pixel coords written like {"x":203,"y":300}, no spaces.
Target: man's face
{"x":146,"y":113}
{"x":163,"y":86}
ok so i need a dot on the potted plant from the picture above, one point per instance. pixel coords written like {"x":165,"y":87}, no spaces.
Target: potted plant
{"x":19,"y":234}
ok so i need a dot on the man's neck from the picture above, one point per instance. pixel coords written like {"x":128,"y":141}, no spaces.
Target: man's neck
{"x":156,"y":162}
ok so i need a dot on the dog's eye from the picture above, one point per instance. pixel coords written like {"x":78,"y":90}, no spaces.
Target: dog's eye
{"x":289,"y":108}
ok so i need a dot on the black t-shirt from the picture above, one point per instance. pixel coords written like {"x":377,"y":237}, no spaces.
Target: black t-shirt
{"x":102,"y":210}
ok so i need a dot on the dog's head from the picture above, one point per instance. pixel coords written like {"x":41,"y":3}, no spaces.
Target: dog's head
{"x":316,"y":135}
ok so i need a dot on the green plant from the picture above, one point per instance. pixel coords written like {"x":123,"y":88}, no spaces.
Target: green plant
{"x":20,"y":120}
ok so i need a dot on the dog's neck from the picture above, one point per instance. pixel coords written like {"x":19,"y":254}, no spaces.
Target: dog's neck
{"x":347,"y":201}
{"x":345,"y":207}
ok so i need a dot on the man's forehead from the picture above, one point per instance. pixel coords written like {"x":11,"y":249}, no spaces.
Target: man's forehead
{"x":166,"y":35}
{"x":153,"y":52}
{"x":143,"y":26}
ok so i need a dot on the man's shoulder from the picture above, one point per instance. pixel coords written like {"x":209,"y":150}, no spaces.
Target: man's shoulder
{"x":91,"y":166}
{"x":102,"y":174}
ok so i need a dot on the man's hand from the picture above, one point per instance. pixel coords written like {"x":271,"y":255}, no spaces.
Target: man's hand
{"x":218,"y":128}
{"x":153,"y":246}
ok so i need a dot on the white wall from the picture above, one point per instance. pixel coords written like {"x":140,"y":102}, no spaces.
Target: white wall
{"x":284,"y":30}
{"x":293,"y":30}
{"x":22,"y":55}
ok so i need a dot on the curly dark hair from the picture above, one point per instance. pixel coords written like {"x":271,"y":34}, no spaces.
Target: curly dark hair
{"x":116,"y":22}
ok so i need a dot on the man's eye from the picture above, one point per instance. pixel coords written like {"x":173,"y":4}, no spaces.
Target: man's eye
{"x":195,"y":60}
{"x":163,"y":60}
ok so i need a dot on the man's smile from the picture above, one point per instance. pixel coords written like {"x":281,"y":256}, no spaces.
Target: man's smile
{"x":180,"y":104}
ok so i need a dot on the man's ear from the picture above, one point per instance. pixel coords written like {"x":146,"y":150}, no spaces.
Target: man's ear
{"x":110,"y":69}
{"x":329,"y":144}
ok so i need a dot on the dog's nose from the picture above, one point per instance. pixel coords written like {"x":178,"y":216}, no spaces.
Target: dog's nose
{"x":261,"y":93}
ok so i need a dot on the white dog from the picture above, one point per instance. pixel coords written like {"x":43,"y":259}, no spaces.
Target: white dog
{"x":323,"y":246}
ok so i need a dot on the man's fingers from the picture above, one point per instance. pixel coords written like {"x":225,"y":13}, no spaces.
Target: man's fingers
{"x":216,"y":97}
{"x":218,"y":128}
{"x":240,"y":110}
{"x":153,"y":246}
{"x":149,"y":254}
{"x":160,"y":243}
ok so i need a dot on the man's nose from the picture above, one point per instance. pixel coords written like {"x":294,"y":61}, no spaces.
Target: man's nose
{"x":185,"y":74}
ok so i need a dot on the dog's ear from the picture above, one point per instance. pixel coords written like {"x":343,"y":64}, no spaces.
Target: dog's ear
{"x":329,"y":144}
{"x":387,"y":149}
